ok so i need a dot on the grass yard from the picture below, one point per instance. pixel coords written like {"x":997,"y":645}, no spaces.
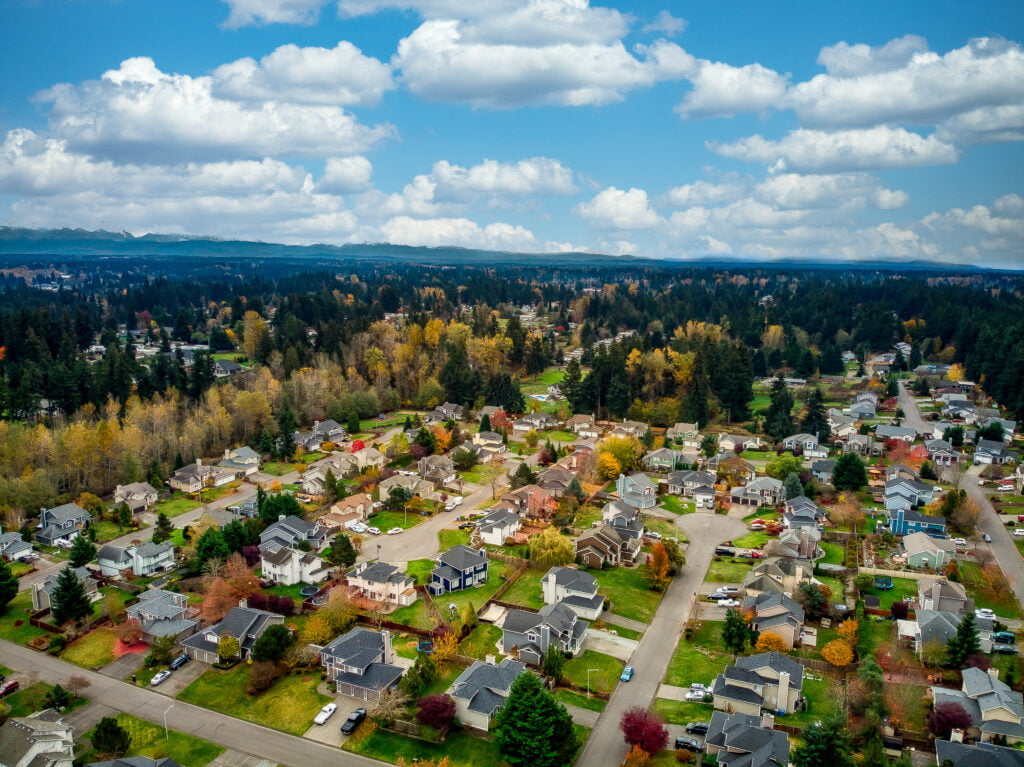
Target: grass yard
{"x":385,"y":520}
{"x":496,"y":574}
{"x":698,"y":660}
{"x":99,"y":606}
{"x":728,"y":571}
{"x":461,"y":748}
{"x":628,"y":592}
{"x":289,"y":705}
{"x":572,"y":698}
{"x":662,"y":526}
{"x":902,"y":590}
{"x":277,"y":468}
{"x":765,"y":514}
{"x":998,"y":596}
{"x":558,"y":435}
{"x":834,"y":553}
{"x":19,"y":568}
{"x":603,"y":679}
{"x":681,"y":711}
{"x":416,"y":615}
{"x":755,"y":539}
{"x":481,"y":641}
{"x":676,"y":505}
{"x":757,"y":455}
{"x":622,"y":631}
{"x":526,"y":591}
{"x":179,"y":504}
{"x":420,"y":570}
{"x":30,"y":699}
{"x":292,"y":591}
{"x":481,"y":474}
{"x":820,"y":703}
{"x":93,"y":650}
{"x":148,"y":739}
{"x":406,"y":646}
{"x":837,"y":587}
{"x":446,"y":539}
{"x":588,"y":517}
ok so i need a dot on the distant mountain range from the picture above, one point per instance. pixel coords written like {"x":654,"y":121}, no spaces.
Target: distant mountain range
{"x":16,"y":241}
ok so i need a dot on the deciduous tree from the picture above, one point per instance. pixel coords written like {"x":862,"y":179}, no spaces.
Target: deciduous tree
{"x":838,"y":652}
{"x":551,"y":549}
{"x":658,"y":567}
{"x":768,"y":641}
{"x":227,"y":647}
{"x":642,"y":727}
{"x":437,"y":711}
{"x":217,"y":601}
{"x":945,"y":717}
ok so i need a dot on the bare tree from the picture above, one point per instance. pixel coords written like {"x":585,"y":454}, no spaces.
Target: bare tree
{"x":392,"y":703}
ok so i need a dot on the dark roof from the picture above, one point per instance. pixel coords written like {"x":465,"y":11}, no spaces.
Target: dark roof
{"x":571,"y":578}
{"x":777,"y":662}
{"x":979,"y":755}
{"x":136,"y":761}
{"x":376,"y":676}
{"x":747,"y":743}
{"x":735,"y":692}
{"x":359,"y":647}
{"x":67,"y":512}
{"x":478,"y":684}
{"x":462,"y":557}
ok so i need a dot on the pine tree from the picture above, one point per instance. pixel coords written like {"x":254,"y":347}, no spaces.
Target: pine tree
{"x":964,"y":643}
{"x":779,"y":419}
{"x":341,"y":552}
{"x":826,"y":744}
{"x":110,"y":738}
{"x":570,"y":383}
{"x":69,"y":602}
{"x":8,"y":586}
{"x":815,"y":420}
{"x":534,"y":730}
{"x":849,"y":473}
{"x":735,"y":631}
{"x":82,"y":552}
{"x":211,"y":545}
{"x":792,"y":486}
{"x":485,"y":422}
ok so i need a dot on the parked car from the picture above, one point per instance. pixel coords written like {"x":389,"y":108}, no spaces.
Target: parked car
{"x":159,"y":678}
{"x":756,"y":554}
{"x":690,"y":744}
{"x":695,"y":696}
{"x":697,"y":728}
{"x":653,"y":535}
{"x":350,"y":724}
{"x":984,"y":612}
{"x":8,"y":687}
{"x":394,"y":531}
{"x":757,"y":526}
{"x":729,"y":603}
{"x":725,"y":551}
{"x":1004,"y":637}
{"x":450,"y":506}
{"x":717,"y":596}
{"x":180,"y":661}
{"x":373,"y":530}
{"x":1018,"y":533}
{"x":627,"y":674}
{"x":1004,"y":649}
{"x":729,"y":589}
{"x":699,"y":686}
{"x":325,"y":713}
{"x":960,"y":541}
{"x":360,"y":528}
{"x":986,"y":537}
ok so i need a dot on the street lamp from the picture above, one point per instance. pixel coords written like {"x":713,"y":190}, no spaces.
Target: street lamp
{"x":588,"y":679}
{"x":167,"y":734}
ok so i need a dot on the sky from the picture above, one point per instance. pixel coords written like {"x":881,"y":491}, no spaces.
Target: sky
{"x":682,"y":130}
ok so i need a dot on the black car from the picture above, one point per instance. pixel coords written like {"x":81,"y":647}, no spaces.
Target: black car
{"x":1004,"y":649}
{"x":697,"y":728}
{"x":725,"y":551}
{"x":1003,"y":637}
{"x":353,"y":721}
{"x":690,"y":744}
{"x":180,"y":661}
{"x":718,"y":595}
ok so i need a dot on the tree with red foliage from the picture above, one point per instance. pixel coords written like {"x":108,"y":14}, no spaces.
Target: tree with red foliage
{"x":217,"y":602}
{"x":437,"y":711}
{"x":644,"y":728}
{"x":946,"y":717}
{"x":251,"y":555}
{"x":417,"y":451}
{"x":357,"y":445}
{"x":899,"y":610}
{"x":979,"y":661}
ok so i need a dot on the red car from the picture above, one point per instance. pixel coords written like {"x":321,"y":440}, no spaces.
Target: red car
{"x":756,"y":554}
{"x":8,"y":687}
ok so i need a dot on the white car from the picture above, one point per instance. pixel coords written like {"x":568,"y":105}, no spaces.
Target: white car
{"x":359,"y":528}
{"x":1019,"y":532}
{"x":696,"y":696}
{"x":960,"y":541}
{"x":394,"y":531}
{"x":699,"y":686}
{"x":325,"y":713}
{"x":373,"y":530}
{"x":457,"y":500}
{"x":159,"y":678}
{"x":728,"y":603}
{"x":984,"y":612}
{"x":653,"y":535}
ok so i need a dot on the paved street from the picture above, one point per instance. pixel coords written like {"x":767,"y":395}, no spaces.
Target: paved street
{"x":606,"y":748}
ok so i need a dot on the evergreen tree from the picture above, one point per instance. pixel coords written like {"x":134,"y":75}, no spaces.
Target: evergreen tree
{"x":735,"y":385}
{"x":426,"y":440}
{"x":523,"y":476}
{"x":235,"y":536}
{"x":735,"y":631}
{"x":57,"y":698}
{"x":8,"y":586}
{"x":212,"y":545}
{"x":570,"y":383}
{"x":82,"y":552}
{"x":353,"y":425}
{"x":485,"y":422}
{"x":341,"y":553}
{"x":272,"y":643}
{"x":826,"y":744}
{"x":792,"y":486}
{"x":110,"y":738}
{"x":694,"y":407}
{"x":534,"y":730}
{"x":779,"y":419}
{"x":928,"y":471}
{"x":849,"y":473}
{"x":964,"y":643}
{"x":286,"y":425}
{"x":815,"y":420}
{"x":69,"y":602}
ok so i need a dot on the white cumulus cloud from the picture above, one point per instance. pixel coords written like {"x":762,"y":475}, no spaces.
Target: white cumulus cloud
{"x":461,"y":232}
{"x":617,"y":209}
{"x":849,"y":190}
{"x":703,"y":193}
{"x":345,"y":174}
{"x":246,"y":12}
{"x":722,"y":90}
{"x":665,"y":23}
{"x":845,"y":60}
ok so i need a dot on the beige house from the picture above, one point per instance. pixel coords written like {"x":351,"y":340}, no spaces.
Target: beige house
{"x":481,"y":691}
{"x":356,"y":507}
{"x":774,"y":613}
{"x":943,"y":595}
{"x":769,"y":680}
{"x":382,"y":583}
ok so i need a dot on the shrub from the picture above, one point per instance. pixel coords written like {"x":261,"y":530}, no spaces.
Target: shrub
{"x":57,"y":643}
{"x":261,"y":676}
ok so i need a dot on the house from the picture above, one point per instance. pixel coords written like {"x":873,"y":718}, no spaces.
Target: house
{"x":630,"y":429}
{"x":777,"y":575}
{"x":776,"y":614}
{"x":955,"y":754}
{"x":864,"y":405}
{"x":623,"y":518}
{"x":737,"y":442}
{"x":13,"y":548}
{"x":480,"y":691}
{"x":942,"y":595}
{"x":991,"y":452}
{"x":768,"y":680}
{"x":286,"y":566}
{"x":531,"y":501}
{"x":162,"y":613}
{"x":555,"y":480}
{"x":934,"y":628}
{"x":292,"y":531}
{"x":357,"y":507}
{"x":528,"y":636}
{"x":498,"y":527}
{"x":384,"y":583}
{"x":243,"y":623}
{"x":860,"y":444}
{"x":574,"y":588}
{"x":941,"y":453}
{"x":458,"y":568}
{"x":637,"y":489}
{"x":42,"y":591}
{"x":538,"y":421}
{"x":223,"y":368}
{"x":1008,"y":426}
{"x":685,"y":482}
{"x":584,"y":426}
{"x":451,"y":411}
{"x":490,"y":411}
{"x":799,"y":543}
{"x":807,"y":444}
{"x":138,"y":496}
{"x":415,"y":485}
{"x":604,"y":545}
{"x":924,"y":551}
{"x":362,"y":664}
{"x":996,"y":711}
{"x":437,"y":469}
{"x":143,"y":559}
{"x":802,"y":512}
{"x":663,"y":459}
{"x":685,"y":434}
{"x":902,"y":493}
{"x":322,"y":431}
{"x":730,"y":463}
{"x":61,"y":524}
{"x":903,"y":433}
{"x":41,"y":739}
{"x":489,"y":441}
{"x":840,"y":423}
{"x":822,"y":470}
{"x":196,"y":476}
{"x":905,"y":521}
{"x":745,"y":740}
{"x":243,"y":461}
{"x":763,"y":491}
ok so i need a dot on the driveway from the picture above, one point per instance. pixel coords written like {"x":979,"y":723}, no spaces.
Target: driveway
{"x":182,"y":678}
{"x":330,"y":733}
{"x":124,"y":666}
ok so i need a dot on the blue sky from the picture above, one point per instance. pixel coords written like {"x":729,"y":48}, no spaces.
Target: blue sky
{"x":669,"y":130}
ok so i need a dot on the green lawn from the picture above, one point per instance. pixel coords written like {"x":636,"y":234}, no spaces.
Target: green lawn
{"x":603,"y":679}
{"x":588,"y":517}
{"x":385,"y":520}
{"x":19,"y":568}
{"x":765,"y":514}
{"x":757,"y":455}
{"x":755,"y":539}
{"x":277,"y":468}
{"x":628,"y":592}
{"x":292,"y":591}
{"x":834,"y":553}
{"x":30,"y":699}
{"x":676,"y":505}
{"x":902,"y":590}
{"x":558,"y":435}
{"x":837,"y":587}
{"x":580,"y":700}
{"x":420,"y":570}
{"x":661,"y":526}
{"x":179,"y":504}
{"x":148,"y":739}
{"x":289,"y":705}
{"x":820,"y":704}
{"x":698,"y":660}
{"x":121,"y":596}
{"x":93,"y":650}
{"x":623,"y":632}
{"x":728,"y":571}
{"x":416,"y":615}
{"x":998,"y":596}
{"x":481,"y":474}
{"x":481,"y":641}
{"x":17,"y":613}
{"x":526,"y":591}
{"x":476,"y":595}
{"x":108,"y":531}
{"x":233,"y":356}
{"x":446,"y":539}
{"x":461,"y":748}
{"x":681,"y":711}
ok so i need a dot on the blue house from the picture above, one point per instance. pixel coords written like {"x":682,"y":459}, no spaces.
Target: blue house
{"x":637,"y":490}
{"x":907,"y":521}
{"x":458,"y":568}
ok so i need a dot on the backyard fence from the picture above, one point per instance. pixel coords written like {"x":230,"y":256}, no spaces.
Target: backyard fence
{"x":915,"y":575}
{"x":507,"y":558}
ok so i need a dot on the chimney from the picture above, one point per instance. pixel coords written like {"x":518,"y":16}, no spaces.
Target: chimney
{"x":993,"y":672}
{"x":199,"y":461}
{"x":227,"y":453}
{"x":389,"y":653}
{"x":281,"y":517}
{"x":489,"y":660}
{"x":782,"y":701}
{"x":767,"y":721}
{"x":956,"y":736}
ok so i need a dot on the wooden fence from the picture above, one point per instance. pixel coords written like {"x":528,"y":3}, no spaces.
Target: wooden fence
{"x":508,"y":558}
{"x":915,"y":575}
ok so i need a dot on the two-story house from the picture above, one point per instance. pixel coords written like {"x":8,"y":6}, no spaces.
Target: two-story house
{"x":498,"y":527}
{"x":822,"y":470}
{"x":138,"y":496}
{"x":490,"y":445}
{"x":943,"y":595}
{"x":42,"y":592}
{"x":630,"y":429}
{"x":584,"y":426}
{"x":799,"y":543}
{"x":988,"y":451}
{"x":685,"y":482}
{"x":62,"y":524}
{"x":663,"y":459}
{"x":862,"y":445}
{"x":807,"y":444}
{"x":604,"y":545}
{"x":539,"y":421}
{"x":162,"y":613}
{"x":734,"y":443}
{"x":414,"y":484}
{"x":532,"y":501}
{"x":768,"y":680}
{"x":41,"y":739}
{"x":637,"y":490}
{"x":286,"y":566}
{"x":196,"y":476}
{"x":624,"y":518}
{"x":841,"y":424}
{"x":243,"y":461}
{"x":942,"y":453}
{"x":292,"y":531}
{"x":481,"y":690}
{"x":907,"y":434}
{"x":528,"y":636}
{"x":802,"y":512}
{"x":902,"y":493}
{"x":745,"y":740}
{"x":13,"y":548}
{"x":686,"y":434}
{"x":243,"y":623}
{"x":775,"y":613}
{"x":362,"y":664}
{"x":996,"y":711}
{"x":762,"y":491}
{"x":382,"y":582}
{"x":556,"y":480}
{"x":574,"y":588}
{"x":906,"y":521}
{"x":437,"y":469}
{"x":864,"y":405}
{"x":780,"y":575}
{"x":143,"y":559}
{"x":458,"y":568}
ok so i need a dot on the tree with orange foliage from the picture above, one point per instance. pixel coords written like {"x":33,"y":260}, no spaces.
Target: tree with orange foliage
{"x":445,"y":647}
{"x":636,"y":757}
{"x":838,"y":653}
{"x":240,"y":578}
{"x":848,"y":630}
{"x":658,"y":567}
{"x":218,"y":601}
{"x":769,"y":641}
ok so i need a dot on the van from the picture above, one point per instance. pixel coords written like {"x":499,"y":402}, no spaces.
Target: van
{"x":1019,"y":532}
{"x":180,"y":661}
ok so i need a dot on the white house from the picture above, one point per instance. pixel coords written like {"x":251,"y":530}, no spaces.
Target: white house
{"x":142,"y":559}
{"x":383,"y":583}
{"x":287,"y":566}
{"x":575,"y":588}
{"x":498,"y":526}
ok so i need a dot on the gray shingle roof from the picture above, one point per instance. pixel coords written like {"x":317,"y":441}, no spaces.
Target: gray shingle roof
{"x":978,"y":755}
{"x":571,"y":578}
{"x":462,"y":558}
{"x":481,"y":683}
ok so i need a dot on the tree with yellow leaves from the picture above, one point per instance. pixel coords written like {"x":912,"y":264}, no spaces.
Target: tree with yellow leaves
{"x":608,"y":467}
{"x":317,"y":630}
{"x":769,"y":641}
{"x":848,"y":630}
{"x":445,"y":648}
{"x":838,"y":652}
